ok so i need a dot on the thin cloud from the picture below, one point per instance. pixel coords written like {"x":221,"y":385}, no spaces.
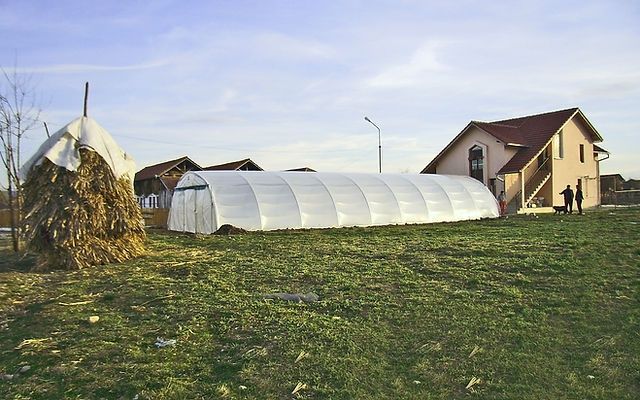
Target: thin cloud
{"x":283,"y":45}
{"x":80,"y":68}
{"x":423,"y":61}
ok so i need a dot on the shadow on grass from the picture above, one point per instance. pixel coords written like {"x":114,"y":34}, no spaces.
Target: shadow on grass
{"x":11,"y":261}
{"x":16,"y":262}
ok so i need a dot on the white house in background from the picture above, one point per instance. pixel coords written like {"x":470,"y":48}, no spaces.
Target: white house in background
{"x":538,"y":155}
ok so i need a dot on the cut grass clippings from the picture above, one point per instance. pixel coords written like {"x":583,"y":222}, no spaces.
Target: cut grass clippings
{"x":514,"y":308}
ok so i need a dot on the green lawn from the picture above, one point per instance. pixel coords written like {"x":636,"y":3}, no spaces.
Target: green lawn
{"x":515,"y":308}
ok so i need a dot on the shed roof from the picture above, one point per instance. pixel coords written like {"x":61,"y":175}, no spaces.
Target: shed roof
{"x":598,"y":149}
{"x":169,"y":182}
{"x":605,"y":176}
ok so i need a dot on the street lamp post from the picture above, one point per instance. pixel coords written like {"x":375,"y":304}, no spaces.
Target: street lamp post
{"x":379,"y":144}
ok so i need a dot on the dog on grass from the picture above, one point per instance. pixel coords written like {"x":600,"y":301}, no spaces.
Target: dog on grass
{"x":560,"y":209}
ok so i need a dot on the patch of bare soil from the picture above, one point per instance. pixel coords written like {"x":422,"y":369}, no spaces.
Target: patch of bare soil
{"x":228,"y":229}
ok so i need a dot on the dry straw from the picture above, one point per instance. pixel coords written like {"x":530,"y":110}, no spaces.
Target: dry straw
{"x":78,"y":219}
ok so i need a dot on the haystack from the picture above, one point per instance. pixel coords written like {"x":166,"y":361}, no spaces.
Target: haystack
{"x":79,"y":205}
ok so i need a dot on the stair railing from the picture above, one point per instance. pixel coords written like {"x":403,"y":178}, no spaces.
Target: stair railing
{"x":537,"y":177}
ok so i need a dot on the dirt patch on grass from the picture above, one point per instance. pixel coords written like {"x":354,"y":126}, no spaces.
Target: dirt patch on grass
{"x":228,"y":229}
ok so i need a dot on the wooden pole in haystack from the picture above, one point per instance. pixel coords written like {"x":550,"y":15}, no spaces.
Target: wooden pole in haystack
{"x":86,"y":97}
{"x":46,"y":129}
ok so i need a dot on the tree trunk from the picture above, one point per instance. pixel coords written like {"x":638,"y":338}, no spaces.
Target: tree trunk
{"x":14,"y":225}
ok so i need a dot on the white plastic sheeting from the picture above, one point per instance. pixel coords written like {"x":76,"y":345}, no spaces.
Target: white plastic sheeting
{"x":205,"y":200}
{"x":62,"y":149}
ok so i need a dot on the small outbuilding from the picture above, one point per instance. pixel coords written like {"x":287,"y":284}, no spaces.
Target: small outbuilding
{"x":154,"y":184}
{"x":203,"y":201}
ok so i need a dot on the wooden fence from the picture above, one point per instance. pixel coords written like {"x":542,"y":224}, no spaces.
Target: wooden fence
{"x":5,"y":218}
{"x":621,"y":197}
{"x":155,"y":217}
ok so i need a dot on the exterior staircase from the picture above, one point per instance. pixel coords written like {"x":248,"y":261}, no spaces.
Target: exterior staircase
{"x":531,"y":189}
{"x":540,"y":182}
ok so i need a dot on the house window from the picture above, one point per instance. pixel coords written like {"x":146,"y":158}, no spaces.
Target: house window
{"x":582,"y":153}
{"x":476,"y":163}
{"x":558,"y":145}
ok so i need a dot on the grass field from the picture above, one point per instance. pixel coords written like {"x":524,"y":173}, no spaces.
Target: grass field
{"x":515,"y":308}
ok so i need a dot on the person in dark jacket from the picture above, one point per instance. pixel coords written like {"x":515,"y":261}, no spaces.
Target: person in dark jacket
{"x":568,"y":198}
{"x":579,"y":198}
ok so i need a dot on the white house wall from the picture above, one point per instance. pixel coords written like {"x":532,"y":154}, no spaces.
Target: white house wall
{"x":456,"y":159}
{"x":280,"y":200}
{"x":568,"y":169}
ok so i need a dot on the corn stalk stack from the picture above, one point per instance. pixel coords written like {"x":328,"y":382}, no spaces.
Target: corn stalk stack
{"x":80,"y":214}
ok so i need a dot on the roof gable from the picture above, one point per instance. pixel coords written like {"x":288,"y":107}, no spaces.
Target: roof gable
{"x":302,"y":169}
{"x":507,"y":134}
{"x":430,"y":168}
{"x":158,"y":170}
{"x":246,"y":164}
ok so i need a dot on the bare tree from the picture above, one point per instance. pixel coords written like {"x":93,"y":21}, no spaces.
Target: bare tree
{"x":18,"y":114}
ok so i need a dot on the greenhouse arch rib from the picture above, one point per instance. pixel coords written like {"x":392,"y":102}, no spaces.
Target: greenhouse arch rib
{"x":426,"y":206}
{"x":314,"y":178}
{"x":366,"y":200}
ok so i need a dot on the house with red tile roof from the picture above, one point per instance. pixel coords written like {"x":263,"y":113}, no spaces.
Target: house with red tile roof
{"x":532,"y":158}
{"x":154,"y":184}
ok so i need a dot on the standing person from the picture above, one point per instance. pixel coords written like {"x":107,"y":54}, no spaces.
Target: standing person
{"x":502,"y":200}
{"x":568,"y":199}
{"x":579,"y":198}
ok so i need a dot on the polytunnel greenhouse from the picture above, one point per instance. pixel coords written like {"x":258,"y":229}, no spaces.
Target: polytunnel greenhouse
{"x":203,"y":201}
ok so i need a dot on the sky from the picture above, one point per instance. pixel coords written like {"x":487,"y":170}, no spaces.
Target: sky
{"x":288,"y":83}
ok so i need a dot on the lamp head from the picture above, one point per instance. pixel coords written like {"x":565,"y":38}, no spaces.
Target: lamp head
{"x":367,"y":119}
